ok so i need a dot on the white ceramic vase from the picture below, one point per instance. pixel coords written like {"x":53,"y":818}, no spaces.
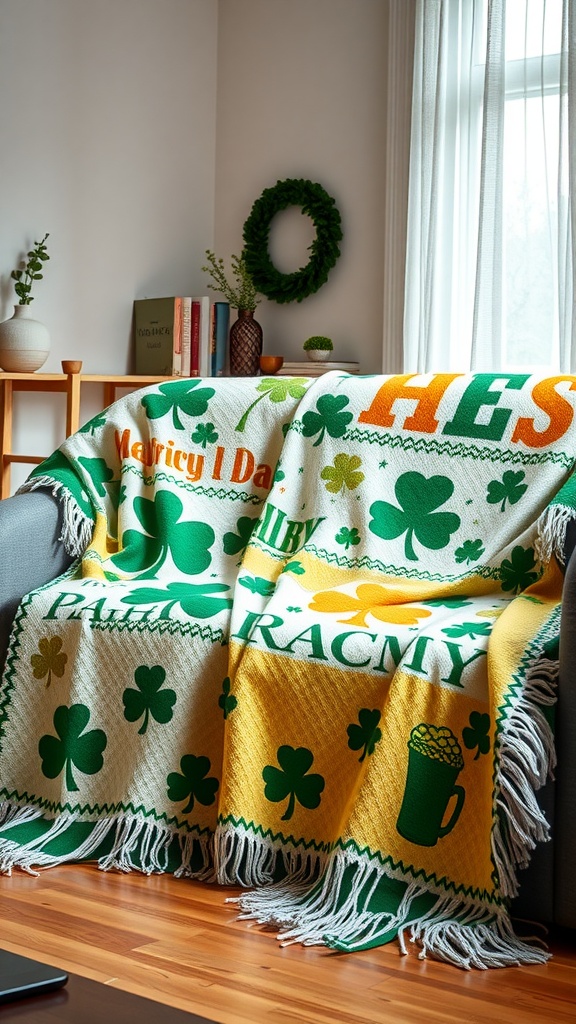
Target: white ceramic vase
{"x":24,"y":342}
{"x":318,"y":355}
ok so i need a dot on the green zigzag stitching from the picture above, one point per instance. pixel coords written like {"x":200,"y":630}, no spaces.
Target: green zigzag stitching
{"x":349,"y":844}
{"x":164,"y":626}
{"x":208,"y":492}
{"x":458,"y":450}
{"x":486,"y":572}
{"x":98,"y":810}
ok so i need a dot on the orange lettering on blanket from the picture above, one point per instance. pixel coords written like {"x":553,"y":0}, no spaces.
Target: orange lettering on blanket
{"x":559,"y":411}
{"x":192,"y":464}
{"x":427,"y":401}
{"x":243,"y":466}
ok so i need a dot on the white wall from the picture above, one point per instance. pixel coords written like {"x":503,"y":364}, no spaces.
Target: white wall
{"x":301,"y":94}
{"x":107,"y":121}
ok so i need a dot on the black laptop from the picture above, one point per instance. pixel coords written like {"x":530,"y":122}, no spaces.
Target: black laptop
{"x":21,"y":977}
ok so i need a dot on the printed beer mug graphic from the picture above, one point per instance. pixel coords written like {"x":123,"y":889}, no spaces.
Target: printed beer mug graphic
{"x":434,"y":763}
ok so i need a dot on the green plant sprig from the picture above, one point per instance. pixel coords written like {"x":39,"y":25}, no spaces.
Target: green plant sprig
{"x":29,"y":272}
{"x":318,"y":343}
{"x":242,"y":294}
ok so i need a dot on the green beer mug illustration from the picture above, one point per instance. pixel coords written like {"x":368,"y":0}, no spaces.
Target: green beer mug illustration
{"x":434,"y":763}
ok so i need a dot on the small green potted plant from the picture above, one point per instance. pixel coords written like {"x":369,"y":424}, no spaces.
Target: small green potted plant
{"x":318,"y":347}
{"x":24,"y":341}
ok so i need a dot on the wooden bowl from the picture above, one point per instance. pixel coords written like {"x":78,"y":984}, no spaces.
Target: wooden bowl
{"x":71,"y":365}
{"x":271,"y":364}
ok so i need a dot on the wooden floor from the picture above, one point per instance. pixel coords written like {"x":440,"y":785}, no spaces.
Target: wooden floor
{"x":178,"y":942}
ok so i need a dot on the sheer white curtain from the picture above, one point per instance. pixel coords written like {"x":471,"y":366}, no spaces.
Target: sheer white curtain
{"x":490,"y":266}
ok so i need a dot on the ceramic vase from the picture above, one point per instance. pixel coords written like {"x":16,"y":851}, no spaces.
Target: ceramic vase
{"x":24,"y":342}
{"x":318,"y":355}
{"x":245,"y":345}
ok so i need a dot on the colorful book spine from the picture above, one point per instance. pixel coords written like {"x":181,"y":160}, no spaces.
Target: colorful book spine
{"x":177,"y":339}
{"x":195,"y":338}
{"x":220,"y":323}
{"x":204,"y":357}
{"x":186,"y":337}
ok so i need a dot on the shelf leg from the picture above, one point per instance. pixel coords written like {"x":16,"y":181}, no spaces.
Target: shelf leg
{"x":72,"y":403}
{"x":5,"y":435}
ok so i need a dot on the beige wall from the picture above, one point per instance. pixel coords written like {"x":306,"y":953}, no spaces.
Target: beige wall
{"x":301,"y":94}
{"x":107,"y":120}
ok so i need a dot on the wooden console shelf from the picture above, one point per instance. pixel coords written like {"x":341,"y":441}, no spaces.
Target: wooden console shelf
{"x":69,"y":384}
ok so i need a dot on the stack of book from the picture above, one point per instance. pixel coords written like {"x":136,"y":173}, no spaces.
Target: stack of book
{"x":181,"y":336}
{"x":310,"y":368}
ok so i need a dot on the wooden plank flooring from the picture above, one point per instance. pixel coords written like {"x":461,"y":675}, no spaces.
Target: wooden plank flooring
{"x":178,"y":942}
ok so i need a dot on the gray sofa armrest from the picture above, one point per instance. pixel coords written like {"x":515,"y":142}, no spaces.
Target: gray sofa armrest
{"x":30,"y":552}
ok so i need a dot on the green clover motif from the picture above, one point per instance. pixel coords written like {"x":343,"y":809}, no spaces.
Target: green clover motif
{"x":277,"y":389}
{"x":187,"y":542}
{"x":417,"y":496}
{"x":279,"y":474}
{"x":94,"y":424}
{"x":471,"y":629}
{"x":294,"y":566}
{"x":476,"y":734}
{"x":347,"y":537}
{"x":148,"y":698}
{"x":291,"y":780}
{"x":227,"y":701}
{"x":510,"y":488}
{"x":366,"y":735}
{"x":192,"y":782}
{"x":196,"y":600}
{"x":516,"y":572}
{"x":60,"y":469}
{"x":343,"y":473}
{"x":258,"y":585}
{"x":470,"y":551}
{"x":236,"y":543}
{"x":185,"y":395}
{"x":71,"y":747}
{"x":328,"y":419}
{"x":51,"y":659}
{"x":100,"y":474}
{"x":205,"y":434}
{"x":447,"y":602}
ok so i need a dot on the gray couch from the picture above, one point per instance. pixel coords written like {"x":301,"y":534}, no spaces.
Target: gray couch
{"x":31,"y":555}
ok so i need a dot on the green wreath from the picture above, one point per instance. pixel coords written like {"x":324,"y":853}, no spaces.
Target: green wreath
{"x":322,"y":210}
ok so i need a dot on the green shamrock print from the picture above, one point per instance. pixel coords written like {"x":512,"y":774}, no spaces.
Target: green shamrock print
{"x":276,"y":389}
{"x":366,"y":735}
{"x":279,"y":474}
{"x":196,"y":600}
{"x":418,"y":497}
{"x":291,"y":780}
{"x":100,"y":474}
{"x":258,"y":585}
{"x":471,"y":629}
{"x":476,"y":734}
{"x":236,"y":543}
{"x":148,"y":698}
{"x":328,"y":419}
{"x":60,"y":469}
{"x":50,"y":660}
{"x":184,"y":395}
{"x":71,"y":747}
{"x":470,"y":551}
{"x":344,"y":473}
{"x":192,"y":782}
{"x":510,"y":488}
{"x":93,"y":424}
{"x":187,"y":542}
{"x":205,"y":434}
{"x":347,"y":537}
{"x":294,"y":566}
{"x":516,"y":572}
{"x":447,"y":602}
{"x":227,"y":701}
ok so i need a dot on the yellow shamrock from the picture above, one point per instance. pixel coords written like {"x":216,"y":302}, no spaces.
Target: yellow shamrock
{"x":50,"y":660}
{"x":373,"y":599}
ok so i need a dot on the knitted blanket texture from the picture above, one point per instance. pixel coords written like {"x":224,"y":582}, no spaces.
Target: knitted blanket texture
{"x":308,"y":645}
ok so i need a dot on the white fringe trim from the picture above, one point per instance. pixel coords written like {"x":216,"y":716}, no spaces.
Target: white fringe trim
{"x":526,"y":757}
{"x":458,"y":931}
{"x":138,"y":845}
{"x":552,"y":526}
{"x":77,"y":527}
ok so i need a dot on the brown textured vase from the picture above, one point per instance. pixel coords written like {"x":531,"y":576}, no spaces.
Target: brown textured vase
{"x":245,"y":345}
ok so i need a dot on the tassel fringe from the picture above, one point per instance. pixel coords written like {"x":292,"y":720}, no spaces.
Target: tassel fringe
{"x":77,"y":528}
